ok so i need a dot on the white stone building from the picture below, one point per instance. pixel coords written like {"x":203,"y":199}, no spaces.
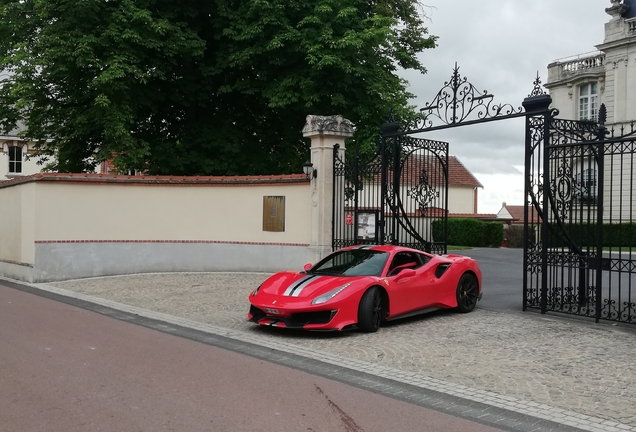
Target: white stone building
{"x":579,"y":86}
{"x":581,"y":83}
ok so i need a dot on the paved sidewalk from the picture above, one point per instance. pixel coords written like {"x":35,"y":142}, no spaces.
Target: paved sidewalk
{"x":571,"y":372}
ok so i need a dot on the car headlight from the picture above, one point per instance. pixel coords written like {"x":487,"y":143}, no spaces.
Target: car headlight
{"x":256,"y":290}
{"x":329,"y":295}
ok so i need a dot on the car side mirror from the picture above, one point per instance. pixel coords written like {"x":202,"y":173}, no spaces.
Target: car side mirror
{"x":307,"y":267}
{"x":405,"y":274}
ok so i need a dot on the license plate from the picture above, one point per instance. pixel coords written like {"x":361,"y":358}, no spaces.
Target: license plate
{"x":272,"y":311}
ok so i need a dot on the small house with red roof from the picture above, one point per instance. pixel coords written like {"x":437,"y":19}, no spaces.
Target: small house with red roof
{"x":514,"y":214}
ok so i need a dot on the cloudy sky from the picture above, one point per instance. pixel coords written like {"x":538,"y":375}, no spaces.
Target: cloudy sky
{"x":500,"y":45}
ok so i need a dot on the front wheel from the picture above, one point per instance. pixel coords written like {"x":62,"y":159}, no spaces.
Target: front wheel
{"x":467,"y":293}
{"x":370,"y":311}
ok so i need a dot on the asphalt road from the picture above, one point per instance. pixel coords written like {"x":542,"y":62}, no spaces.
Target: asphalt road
{"x":502,"y":277}
{"x":65,"y":369}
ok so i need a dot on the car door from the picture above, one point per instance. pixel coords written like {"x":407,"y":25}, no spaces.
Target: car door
{"x":405,"y":286}
{"x":413,"y":290}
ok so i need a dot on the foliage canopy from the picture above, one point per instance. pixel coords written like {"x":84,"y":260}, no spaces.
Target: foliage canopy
{"x":200,"y":87}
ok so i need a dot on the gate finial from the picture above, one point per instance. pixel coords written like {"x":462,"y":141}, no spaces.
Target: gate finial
{"x":538,"y":88}
{"x":602,"y":115}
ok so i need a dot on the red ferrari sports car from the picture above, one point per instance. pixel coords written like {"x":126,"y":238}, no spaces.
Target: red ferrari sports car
{"x":361,"y":286}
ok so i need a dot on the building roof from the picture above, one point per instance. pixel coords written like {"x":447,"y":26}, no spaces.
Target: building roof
{"x":416,"y":166}
{"x":458,"y":174}
{"x":13,"y":134}
{"x":515,"y":214}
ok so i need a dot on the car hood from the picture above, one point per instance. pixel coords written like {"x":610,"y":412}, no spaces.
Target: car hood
{"x":303,"y":285}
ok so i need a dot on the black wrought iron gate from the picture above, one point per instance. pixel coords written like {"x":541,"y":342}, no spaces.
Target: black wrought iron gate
{"x":400,"y":194}
{"x":396,"y":196}
{"x":580,"y":207}
{"x":580,"y":210}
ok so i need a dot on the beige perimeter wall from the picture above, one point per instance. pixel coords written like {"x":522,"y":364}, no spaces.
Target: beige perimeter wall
{"x":57,"y":227}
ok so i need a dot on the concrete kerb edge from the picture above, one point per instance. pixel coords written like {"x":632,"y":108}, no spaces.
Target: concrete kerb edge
{"x":508,"y":403}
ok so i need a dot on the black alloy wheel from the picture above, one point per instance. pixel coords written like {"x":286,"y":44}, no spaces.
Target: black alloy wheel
{"x":467,"y":293}
{"x":370,"y":310}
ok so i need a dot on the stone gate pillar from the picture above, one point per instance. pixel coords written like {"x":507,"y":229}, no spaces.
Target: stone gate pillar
{"x":324,"y":132}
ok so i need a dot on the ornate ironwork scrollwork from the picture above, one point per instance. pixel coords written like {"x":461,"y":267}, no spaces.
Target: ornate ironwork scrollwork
{"x":568,"y":132}
{"x":534,"y":258}
{"x":538,"y":88}
{"x":535,"y":194}
{"x":609,"y":310}
{"x":423,"y":193}
{"x":628,"y":314}
{"x":562,"y":189}
{"x":349,"y":192}
{"x":535,"y":131}
{"x":457,"y":101}
{"x":411,"y":145}
{"x":388,"y":238}
{"x":568,"y":300}
{"x":390,"y":195}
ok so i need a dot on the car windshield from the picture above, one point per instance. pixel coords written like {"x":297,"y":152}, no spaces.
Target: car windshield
{"x":352,"y":262}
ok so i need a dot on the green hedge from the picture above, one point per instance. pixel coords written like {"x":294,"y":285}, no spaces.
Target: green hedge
{"x":582,"y":235}
{"x":515,"y":236}
{"x":475,"y":233}
{"x":469,"y":232}
{"x":493,"y":234}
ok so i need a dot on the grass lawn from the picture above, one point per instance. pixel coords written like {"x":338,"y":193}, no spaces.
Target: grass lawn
{"x":455,"y":248}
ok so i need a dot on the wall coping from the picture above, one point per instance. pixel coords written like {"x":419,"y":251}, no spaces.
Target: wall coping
{"x":158,"y":180}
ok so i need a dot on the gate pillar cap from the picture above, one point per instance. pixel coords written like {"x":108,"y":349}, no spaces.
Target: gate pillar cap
{"x":537,"y":103}
{"x":328,"y":125}
{"x":390,"y":127}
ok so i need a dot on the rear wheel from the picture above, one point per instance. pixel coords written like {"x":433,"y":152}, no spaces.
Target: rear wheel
{"x":370,"y":310}
{"x":467,"y":293}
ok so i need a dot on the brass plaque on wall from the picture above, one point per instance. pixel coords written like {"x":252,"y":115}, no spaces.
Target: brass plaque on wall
{"x":274,"y":213}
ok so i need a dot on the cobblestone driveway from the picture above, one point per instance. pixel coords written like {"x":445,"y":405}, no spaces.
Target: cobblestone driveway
{"x":577,"y":366}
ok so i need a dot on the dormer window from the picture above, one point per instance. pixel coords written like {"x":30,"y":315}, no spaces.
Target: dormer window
{"x":588,"y":101}
{"x":15,"y":159}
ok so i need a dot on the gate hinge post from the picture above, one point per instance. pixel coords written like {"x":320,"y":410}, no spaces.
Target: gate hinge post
{"x":324,"y":132}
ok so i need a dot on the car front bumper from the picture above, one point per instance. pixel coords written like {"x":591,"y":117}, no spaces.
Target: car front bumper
{"x":296,"y":320}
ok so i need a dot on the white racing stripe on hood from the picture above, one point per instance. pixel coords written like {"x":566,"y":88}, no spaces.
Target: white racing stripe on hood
{"x":295,"y":290}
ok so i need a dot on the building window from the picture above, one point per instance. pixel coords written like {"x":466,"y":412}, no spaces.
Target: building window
{"x":15,"y":160}
{"x":585,"y":186}
{"x":588,"y":101}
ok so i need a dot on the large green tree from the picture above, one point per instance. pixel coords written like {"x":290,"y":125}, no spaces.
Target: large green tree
{"x":199,"y":87}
